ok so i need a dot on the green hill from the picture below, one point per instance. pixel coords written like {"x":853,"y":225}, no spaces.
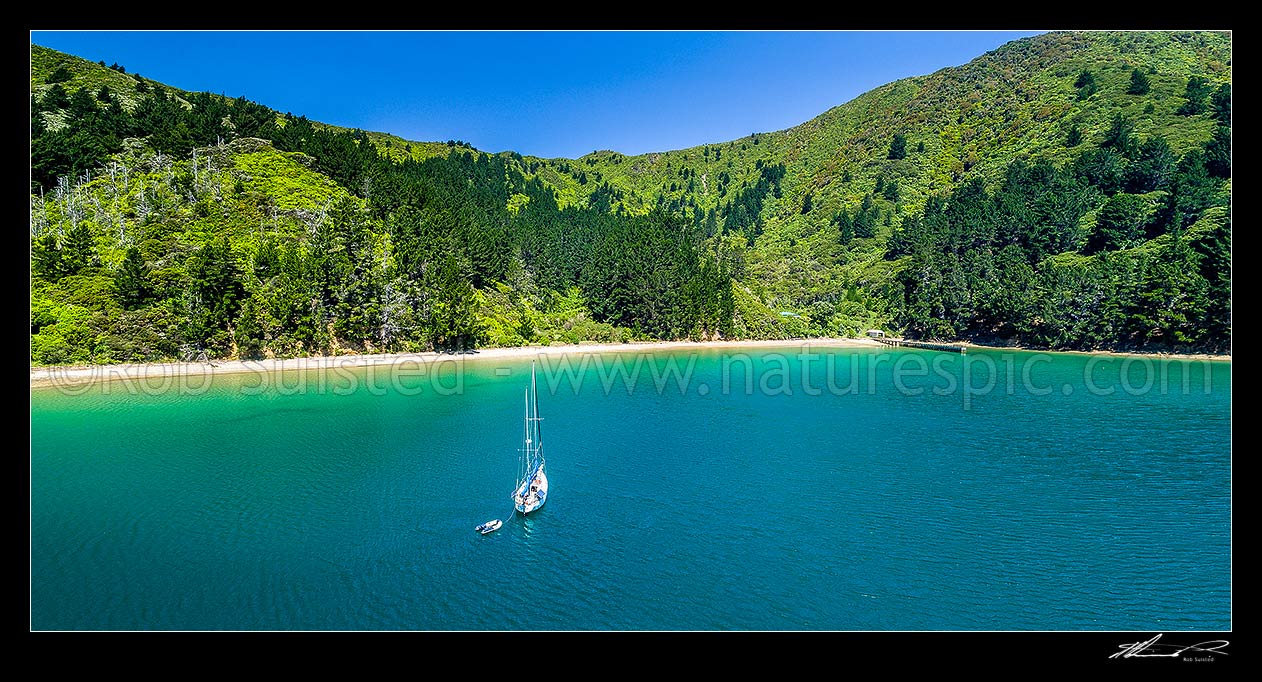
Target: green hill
{"x":1018,"y":100}
{"x":1067,"y":175}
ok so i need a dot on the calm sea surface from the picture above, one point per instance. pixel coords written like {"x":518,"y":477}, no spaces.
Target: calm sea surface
{"x":1070,"y":496}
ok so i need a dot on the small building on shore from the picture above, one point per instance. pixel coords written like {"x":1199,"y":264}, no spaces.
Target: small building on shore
{"x":876,"y":333}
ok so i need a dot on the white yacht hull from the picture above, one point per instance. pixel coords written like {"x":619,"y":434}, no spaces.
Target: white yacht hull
{"x":531,"y":498}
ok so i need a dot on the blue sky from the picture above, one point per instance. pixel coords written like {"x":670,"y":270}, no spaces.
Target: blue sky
{"x":544,"y":94}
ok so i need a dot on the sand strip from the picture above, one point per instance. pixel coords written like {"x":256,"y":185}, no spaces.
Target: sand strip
{"x":68,"y":376}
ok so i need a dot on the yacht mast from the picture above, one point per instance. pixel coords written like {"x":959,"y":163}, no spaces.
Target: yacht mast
{"x":534,"y":389}
{"x":523,"y":465}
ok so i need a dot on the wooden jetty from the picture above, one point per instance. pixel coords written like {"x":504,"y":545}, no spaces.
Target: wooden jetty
{"x":944,"y":347}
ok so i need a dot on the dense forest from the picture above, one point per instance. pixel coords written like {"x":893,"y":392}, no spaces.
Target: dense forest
{"x":978,"y":202}
{"x":1153,"y":269}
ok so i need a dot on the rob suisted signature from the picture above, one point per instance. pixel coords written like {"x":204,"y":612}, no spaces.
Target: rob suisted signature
{"x":1153,"y":649}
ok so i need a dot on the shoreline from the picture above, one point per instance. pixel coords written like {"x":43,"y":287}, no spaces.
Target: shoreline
{"x":1151,"y":355}
{"x":68,"y":375}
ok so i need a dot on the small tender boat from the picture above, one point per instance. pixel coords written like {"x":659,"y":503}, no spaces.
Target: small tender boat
{"x":490,"y":526}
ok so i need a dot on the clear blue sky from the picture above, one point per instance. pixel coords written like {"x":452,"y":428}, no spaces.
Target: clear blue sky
{"x":545,"y":94}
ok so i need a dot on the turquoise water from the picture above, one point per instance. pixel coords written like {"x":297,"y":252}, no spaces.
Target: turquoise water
{"x":307,"y":505}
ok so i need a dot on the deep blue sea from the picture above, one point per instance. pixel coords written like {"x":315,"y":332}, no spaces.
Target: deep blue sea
{"x":852,"y":489}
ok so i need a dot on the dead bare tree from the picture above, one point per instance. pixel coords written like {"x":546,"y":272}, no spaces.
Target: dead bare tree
{"x":142,"y":203}
{"x":39,"y":215}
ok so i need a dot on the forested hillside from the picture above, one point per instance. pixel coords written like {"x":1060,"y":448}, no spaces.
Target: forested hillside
{"x":1065,"y":191}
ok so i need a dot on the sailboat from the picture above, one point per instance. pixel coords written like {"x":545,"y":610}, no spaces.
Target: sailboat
{"x":532,"y":481}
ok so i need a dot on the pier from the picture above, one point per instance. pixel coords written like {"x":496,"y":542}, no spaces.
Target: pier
{"x":944,"y":347}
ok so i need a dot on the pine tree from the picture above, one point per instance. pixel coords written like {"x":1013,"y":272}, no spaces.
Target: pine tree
{"x":891,"y":190}
{"x":82,"y":104}
{"x":898,"y":147}
{"x":1075,"y":136}
{"x":1086,"y":85}
{"x":55,"y":98}
{"x":806,"y":204}
{"x":865,"y":219}
{"x":1194,"y":97}
{"x":132,"y":280}
{"x":267,"y":260}
{"x":46,"y":260}
{"x":61,"y":75}
{"x":1120,"y":136}
{"x":865,"y":225}
{"x":899,"y":244}
{"x":79,"y":250}
{"x":1139,"y":83}
{"x":1100,"y":167}
{"x":1218,"y":153}
{"x":920,"y":147}
{"x":250,"y":334}
{"x":1194,"y":190}
{"x":1220,"y":103}
{"x":214,"y":293}
{"x":1216,"y":269}
{"x":1153,"y":167}
{"x":846,"y":226}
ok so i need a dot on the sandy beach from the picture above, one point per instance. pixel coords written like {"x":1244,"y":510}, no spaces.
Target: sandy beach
{"x":80,"y":375}
{"x":72,"y":376}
